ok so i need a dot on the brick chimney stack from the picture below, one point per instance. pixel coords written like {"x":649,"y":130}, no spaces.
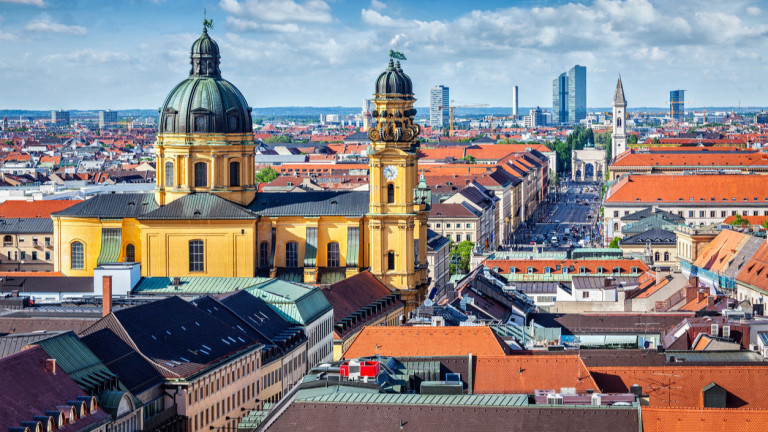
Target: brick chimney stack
{"x":106,"y":301}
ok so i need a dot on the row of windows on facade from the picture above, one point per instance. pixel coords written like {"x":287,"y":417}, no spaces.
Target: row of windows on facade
{"x":712,"y":213}
{"x":223,"y":379}
{"x":8,"y":241}
{"x":582,"y":270}
{"x":222,"y":407}
{"x":77,"y":255}
{"x":201,"y":174}
{"x":22,"y":256}
{"x":448,"y":225}
{"x":197,"y":255}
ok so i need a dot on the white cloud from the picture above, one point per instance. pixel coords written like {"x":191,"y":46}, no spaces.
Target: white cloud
{"x":46,"y":25}
{"x":6,"y":36}
{"x":90,"y":56}
{"x":378,"y":5}
{"x":279,"y":11}
{"x":38,"y":3}
{"x":754,"y":10}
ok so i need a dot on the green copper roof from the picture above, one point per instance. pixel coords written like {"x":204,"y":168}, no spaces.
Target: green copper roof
{"x":299,"y":304}
{"x":79,"y":362}
{"x":111,"y":241}
{"x":196,"y":285}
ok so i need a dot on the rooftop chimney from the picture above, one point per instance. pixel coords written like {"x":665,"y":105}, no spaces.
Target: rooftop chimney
{"x":50,"y":365}
{"x":702,"y":295}
{"x":690,"y":293}
{"x":106,"y":300}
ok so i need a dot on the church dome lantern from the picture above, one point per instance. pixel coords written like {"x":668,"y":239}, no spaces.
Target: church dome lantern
{"x":205,"y":103}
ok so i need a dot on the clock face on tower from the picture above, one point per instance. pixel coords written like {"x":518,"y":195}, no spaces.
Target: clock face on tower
{"x":390,"y":172}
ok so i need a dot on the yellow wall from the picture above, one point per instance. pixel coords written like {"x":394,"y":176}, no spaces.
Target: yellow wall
{"x":228,"y":244}
{"x":88,"y":231}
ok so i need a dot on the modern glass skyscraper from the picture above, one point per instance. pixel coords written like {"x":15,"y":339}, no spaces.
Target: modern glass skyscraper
{"x":560,"y":99}
{"x":569,"y":96}
{"x":677,"y":105}
{"x":577,"y":94}
{"x":439,"y":102}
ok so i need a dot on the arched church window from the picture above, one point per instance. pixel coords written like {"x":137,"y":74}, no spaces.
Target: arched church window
{"x":618,"y":122}
{"x":77,"y":256}
{"x":390,"y":193}
{"x":201,"y":174}
{"x":234,"y":173}
{"x":656,"y":256}
{"x":666,"y":256}
{"x":391,"y":260}
{"x":334,"y":255}
{"x":169,"y":173}
{"x":130,"y":252}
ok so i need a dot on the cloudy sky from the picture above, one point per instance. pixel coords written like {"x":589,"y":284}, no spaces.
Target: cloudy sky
{"x":91,"y":54}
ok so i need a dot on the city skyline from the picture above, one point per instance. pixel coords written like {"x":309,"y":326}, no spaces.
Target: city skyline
{"x":119,"y":56}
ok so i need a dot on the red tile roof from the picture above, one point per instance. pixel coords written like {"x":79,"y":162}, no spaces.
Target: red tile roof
{"x":691,"y":158}
{"x":691,"y":189}
{"x":527,"y":373}
{"x":681,"y":386}
{"x":426,"y":342}
{"x":656,"y":419}
{"x":34,"y":209}
{"x":539,"y":265}
{"x":755,"y":271}
{"x":716,"y":255}
{"x":751,"y":220}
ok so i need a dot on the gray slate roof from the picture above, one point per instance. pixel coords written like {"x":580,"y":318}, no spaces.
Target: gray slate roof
{"x":26,"y":226}
{"x":648,"y":212}
{"x":199,"y":206}
{"x":655,"y":236}
{"x":315,"y":203}
{"x":112,"y":206}
{"x":13,"y":343}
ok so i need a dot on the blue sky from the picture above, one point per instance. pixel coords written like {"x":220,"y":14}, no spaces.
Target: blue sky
{"x":95,"y":54}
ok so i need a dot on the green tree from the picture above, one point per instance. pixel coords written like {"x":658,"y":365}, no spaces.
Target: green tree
{"x":278,"y":139}
{"x":266,"y":175}
{"x":459,"y":257}
{"x":469,"y":159}
{"x":739,"y":220}
{"x":632,"y":139}
{"x":614,"y":243}
{"x":765,"y":223}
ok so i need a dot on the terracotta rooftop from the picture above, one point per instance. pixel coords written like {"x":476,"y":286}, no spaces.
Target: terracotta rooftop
{"x":523,"y":374}
{"x":691,"y":189}
{"x":34,"y":209}
{"x":539,"y":265}
{"x":692,"y":158}
{"x":425,"y":342}
{"x":657,"y":419}
{"x":682,"y":386}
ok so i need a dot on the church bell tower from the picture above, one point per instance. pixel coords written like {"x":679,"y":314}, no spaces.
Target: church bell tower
{"x":619,"y":136}
{"x":398,"y":200}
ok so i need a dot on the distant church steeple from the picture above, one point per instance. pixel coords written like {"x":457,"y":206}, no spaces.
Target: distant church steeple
{"x":619,"y":136}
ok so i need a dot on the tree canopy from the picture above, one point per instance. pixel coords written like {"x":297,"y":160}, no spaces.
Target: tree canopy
{"x":459,"y":258}
{"x":614,"y":243}
{"x":266,"y":175}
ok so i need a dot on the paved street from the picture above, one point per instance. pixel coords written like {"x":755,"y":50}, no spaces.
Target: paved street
{"x":571,"y":219}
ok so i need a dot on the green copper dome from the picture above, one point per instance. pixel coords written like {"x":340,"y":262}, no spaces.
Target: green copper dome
{"x":393,"y":81}
{"x":205,"y":102}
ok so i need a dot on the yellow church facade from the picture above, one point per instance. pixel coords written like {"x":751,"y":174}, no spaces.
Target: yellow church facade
{"x":205,"y":217}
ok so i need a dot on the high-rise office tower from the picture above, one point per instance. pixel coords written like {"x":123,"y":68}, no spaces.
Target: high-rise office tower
{"x":577,"y":94}
{"x":439,"y":102}
{"x":619,"y":136}
{"x":514,"y":101}
{"x":560,"y":99}
{"x":107,"y":119}
{"x":677,"y":105}
{"x":569,"y":96}
{"x":60,"y":117}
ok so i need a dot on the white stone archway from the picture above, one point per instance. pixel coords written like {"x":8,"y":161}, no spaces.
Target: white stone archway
{"x":580,"y":159}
